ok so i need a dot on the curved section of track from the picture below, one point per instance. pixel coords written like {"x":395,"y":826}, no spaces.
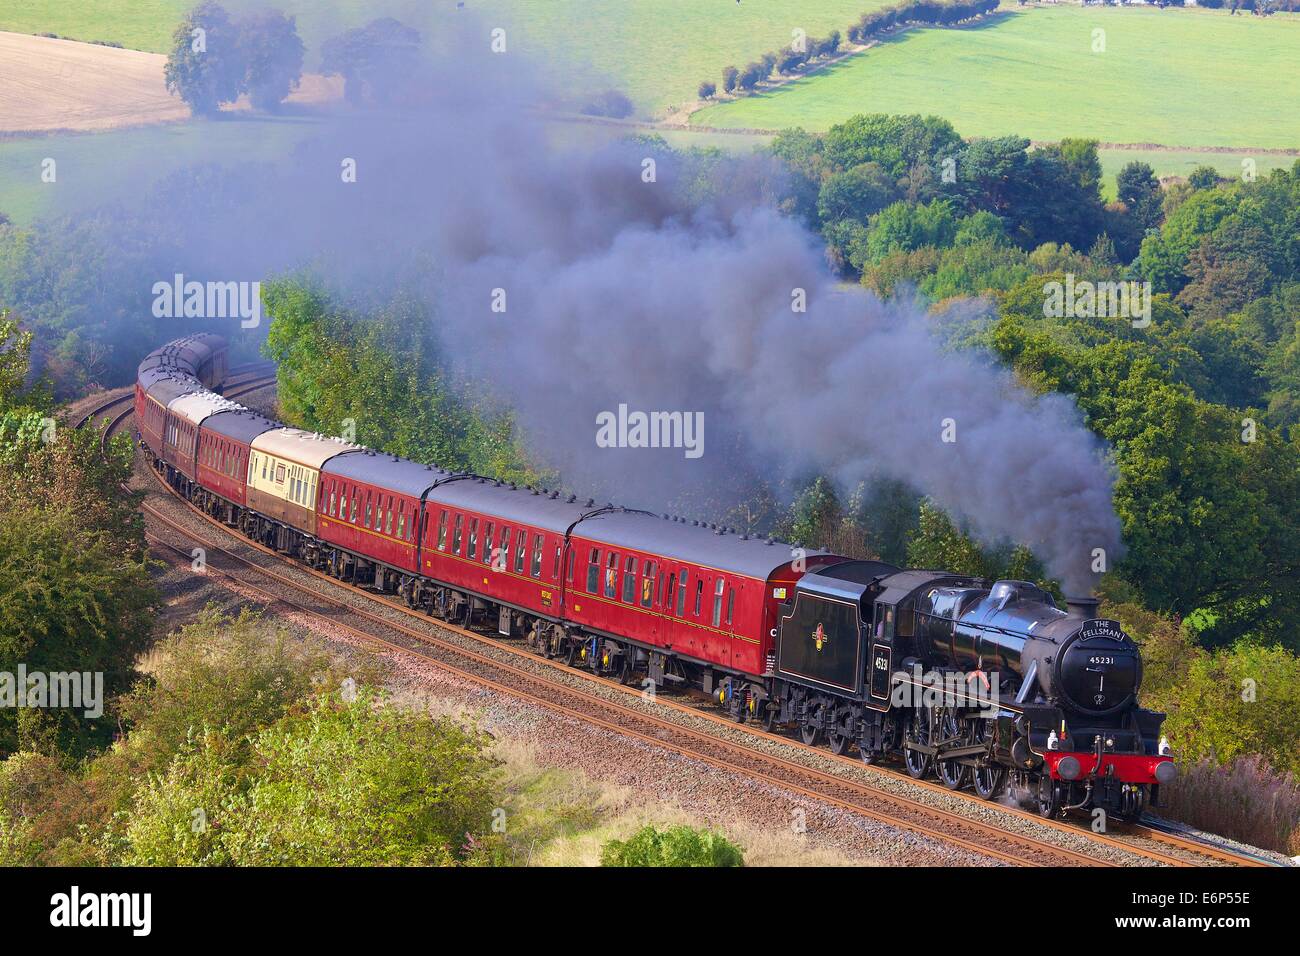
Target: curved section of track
{"x":832,"y":789}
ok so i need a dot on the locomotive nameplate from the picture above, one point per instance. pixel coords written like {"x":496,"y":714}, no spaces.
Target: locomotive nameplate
{"x":1101,"y":627}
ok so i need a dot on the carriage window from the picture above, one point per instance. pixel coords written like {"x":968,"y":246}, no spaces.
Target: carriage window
{"x":718,"y":588}
{"x":611,"y":575}
{"x":648,"y":585}
{"x":555,"y":567}
{"x":501,"y":559}
{"x":401,"y":524}
{"x":699,"y":594}
{"x":537,"y":555}
{"x":332,"y":503}
{"x":456,"y":535}
{"x":593,"y":572}
{"x":487,"y":544}
{"x":388,"y":524}
{"x":279,"y":474}
{"x":473,"y":539}
{"x":573,"y":557}
{"x":731,"y":603}
{"x":442,"y":532}
{"x":353,"y":518}
{"x":370,"y":511}
{"x":668,"y":593}
{"x":521,"y":548}
{"x":681,"y":594}
{"x":629,"y":580}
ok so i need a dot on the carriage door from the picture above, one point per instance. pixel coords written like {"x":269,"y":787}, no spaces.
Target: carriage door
{"x":882,"y":651}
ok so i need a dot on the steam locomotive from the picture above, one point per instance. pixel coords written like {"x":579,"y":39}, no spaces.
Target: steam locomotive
{"x":987,"y":686}
{"x":983,"y":685}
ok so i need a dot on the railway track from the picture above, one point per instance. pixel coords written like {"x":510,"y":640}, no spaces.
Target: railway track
{"x":632,"y":720}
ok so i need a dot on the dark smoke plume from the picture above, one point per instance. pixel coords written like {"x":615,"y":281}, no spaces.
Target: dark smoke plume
{"x":671,"y":294}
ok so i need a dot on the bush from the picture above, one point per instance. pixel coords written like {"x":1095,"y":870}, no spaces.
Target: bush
{"x":611,"y":103}
{"x":676,"y":846}
{"x":1236,"y":702}
{"x":358,"y":783}
{"x":707,"y":90}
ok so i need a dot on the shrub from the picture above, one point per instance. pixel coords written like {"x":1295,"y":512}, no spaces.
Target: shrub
{"x":611,"y":103}
{"x":675,"y":846}
{"x":707,"y":90}
{"x":1244,"y":800}
{"x":359,"y":783}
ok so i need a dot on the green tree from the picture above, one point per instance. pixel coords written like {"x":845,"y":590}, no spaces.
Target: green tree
{"x":206,"y":66}
{"x":375,"y":60}
{"x":272,"y":53}
{"x":382,"y":369}
{"x":857,"y":193}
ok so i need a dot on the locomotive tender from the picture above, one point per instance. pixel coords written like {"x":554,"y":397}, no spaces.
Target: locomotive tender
{"x":982,"y":685}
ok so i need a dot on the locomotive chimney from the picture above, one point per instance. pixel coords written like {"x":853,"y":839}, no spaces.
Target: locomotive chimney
{"x":1085,"y":607}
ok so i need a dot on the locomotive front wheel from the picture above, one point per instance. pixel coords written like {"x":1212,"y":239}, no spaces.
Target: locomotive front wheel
{"x":1049,"y":797}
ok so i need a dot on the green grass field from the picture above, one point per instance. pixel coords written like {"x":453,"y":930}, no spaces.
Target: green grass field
{"x":1175,"y":77}
{"x":148,"y":24}
{"x":84,"y":180}
{"x":658,"y":50}
{"x":1189,"y":77}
